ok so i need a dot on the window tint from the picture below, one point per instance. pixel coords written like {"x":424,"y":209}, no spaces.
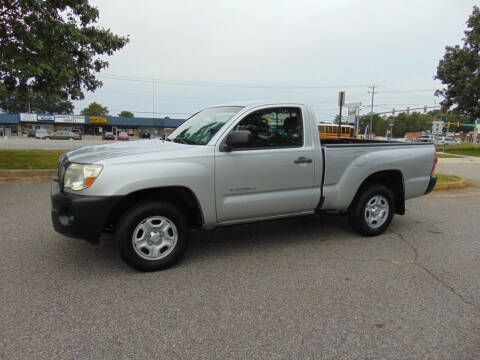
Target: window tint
{"x":273,"y":128}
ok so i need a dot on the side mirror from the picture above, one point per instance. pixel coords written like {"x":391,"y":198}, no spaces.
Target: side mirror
{"x":237,"y":139}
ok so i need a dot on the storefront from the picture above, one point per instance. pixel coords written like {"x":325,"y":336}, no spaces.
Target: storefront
{"x":25,"y":123}
{"x":32,"y":122}
{"x":70,"y":122}
{"x":96,"y":125}
{"x":8,"y":125}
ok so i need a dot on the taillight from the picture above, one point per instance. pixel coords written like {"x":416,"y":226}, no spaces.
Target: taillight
{"x":434,"y":164}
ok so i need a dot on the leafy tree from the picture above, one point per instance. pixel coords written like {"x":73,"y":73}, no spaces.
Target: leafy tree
{"x":378,"y":124}
{"x":35,"y":103}
{"x":126,"y":113}
{"x":459,"y":70}
{"x":402,"y":123}
{"x":95,"y":109}
{"x":51,"y":49}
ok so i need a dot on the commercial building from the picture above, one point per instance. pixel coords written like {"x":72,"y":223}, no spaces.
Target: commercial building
{"x":23,"y":123}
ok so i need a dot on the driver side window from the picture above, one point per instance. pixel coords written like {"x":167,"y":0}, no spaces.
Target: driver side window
{"x":274,"y":128}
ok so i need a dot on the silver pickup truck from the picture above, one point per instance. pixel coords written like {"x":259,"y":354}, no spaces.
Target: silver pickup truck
{"x":228,"y":165}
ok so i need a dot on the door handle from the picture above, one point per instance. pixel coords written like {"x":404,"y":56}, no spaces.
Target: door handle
{"x":303,"y":160}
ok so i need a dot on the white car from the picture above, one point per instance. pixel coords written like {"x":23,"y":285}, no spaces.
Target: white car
{"x":447,"y":140}
{"x":41,"y":133}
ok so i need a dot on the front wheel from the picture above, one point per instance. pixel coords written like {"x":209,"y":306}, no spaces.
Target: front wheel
{"x":372,"y":210}
{"x":152,"y":236}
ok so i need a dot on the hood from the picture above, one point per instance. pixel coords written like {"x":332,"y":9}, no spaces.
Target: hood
{"x":91,"y":154}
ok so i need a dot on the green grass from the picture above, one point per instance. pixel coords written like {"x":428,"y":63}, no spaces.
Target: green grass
{"x":462,"y":149}
{"x":445,"y":155}
{"x":443,"y":178}
{"x":29,"y":159}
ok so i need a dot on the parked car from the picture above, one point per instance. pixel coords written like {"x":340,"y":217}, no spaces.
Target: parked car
{"x":244,"y":168}
{"x":41,"y":133}
{"x":426,"y":138}
{"x":76,"y":131}
{"x":447,"y":140}
{"x":145,"y":135}
{"x":108,"y":135}
{"x":63,"y":135}
{"x":31,"y":133}
{"x":122,"y":136}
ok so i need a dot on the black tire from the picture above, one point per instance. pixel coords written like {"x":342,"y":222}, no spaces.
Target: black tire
{"x":357,"y":213}
{"x":129,"y":222}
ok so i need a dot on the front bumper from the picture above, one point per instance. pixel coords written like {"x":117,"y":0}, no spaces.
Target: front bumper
{"x":431,"y":184}
{"x":80,"y":216}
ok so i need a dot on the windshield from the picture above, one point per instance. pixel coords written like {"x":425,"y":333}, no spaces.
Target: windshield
{"x":201,"y":127}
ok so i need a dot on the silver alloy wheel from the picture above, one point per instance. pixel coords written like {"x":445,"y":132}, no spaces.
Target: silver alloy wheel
{"x":376,"y":211}
{"x":154,"y":238}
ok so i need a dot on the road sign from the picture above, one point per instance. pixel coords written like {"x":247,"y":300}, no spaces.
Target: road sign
{"x":437,"y":127}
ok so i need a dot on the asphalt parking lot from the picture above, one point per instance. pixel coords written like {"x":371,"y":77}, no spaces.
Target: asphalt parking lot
{"x":303,"y":288}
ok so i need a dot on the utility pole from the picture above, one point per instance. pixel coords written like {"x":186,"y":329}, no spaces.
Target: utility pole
{"x":371,"y":111}
{"x":153,"y":99}
{"x":341,"y":102}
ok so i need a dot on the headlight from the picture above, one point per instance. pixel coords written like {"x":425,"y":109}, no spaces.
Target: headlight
{"x":81,"y":176}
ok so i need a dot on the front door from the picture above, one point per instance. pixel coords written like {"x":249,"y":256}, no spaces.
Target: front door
{"x":273,"y":175}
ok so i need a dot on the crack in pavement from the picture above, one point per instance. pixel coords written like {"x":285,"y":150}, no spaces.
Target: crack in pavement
{"x":429,"y":272}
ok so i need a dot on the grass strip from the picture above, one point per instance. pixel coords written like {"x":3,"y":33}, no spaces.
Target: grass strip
{"x":444,"y":178}
{"x":465,"y":149}
{"x":29,"y":159}
{"x":445,"y":155}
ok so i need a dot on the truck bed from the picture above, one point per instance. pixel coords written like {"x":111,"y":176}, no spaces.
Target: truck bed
{"x":349,"y":162}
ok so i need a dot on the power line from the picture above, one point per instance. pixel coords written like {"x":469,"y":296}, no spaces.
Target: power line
{"x":215,"y":84}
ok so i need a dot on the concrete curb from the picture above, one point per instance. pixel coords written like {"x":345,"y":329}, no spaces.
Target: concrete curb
{"x":27,"y":175}
{"x":452,"y":185}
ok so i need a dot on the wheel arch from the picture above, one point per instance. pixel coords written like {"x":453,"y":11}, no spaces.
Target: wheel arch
{"x":393,"y":180}
{"x":182,"y":197}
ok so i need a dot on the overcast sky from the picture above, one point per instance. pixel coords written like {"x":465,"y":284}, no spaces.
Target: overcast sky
{"x":300,"y":50}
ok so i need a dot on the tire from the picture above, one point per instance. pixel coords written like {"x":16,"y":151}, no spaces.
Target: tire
{"x":152,"y":236}
{"x":372,"y":210}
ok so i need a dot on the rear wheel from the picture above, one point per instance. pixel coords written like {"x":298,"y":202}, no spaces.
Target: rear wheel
{"x":372,"y":210}
{"x":152,"y":236}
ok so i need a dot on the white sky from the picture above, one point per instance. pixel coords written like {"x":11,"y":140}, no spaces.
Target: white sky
{"x":277,"y":47}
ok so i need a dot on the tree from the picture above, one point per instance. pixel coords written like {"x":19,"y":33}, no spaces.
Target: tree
{"x":51,"y":50}
{"x":35,"y":103}
{"x":459,"y":70}
{"x":95,"y":109}
{"x":126,"y":113}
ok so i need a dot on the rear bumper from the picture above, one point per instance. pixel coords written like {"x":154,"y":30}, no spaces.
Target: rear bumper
{"x":431,"y":184}
{"x":80,"y":216}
